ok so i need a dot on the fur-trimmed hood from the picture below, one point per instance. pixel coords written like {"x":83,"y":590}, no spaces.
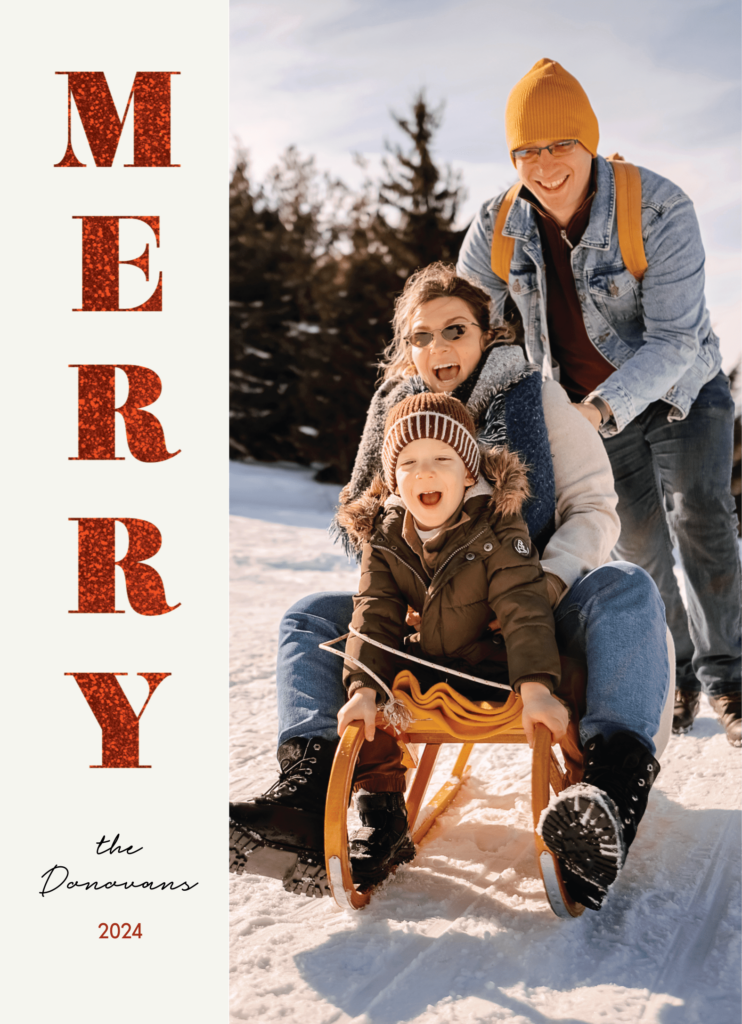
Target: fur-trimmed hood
{"x":502,"y":475}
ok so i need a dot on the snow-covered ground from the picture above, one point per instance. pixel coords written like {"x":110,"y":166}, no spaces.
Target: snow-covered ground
{"x":465,"y":932}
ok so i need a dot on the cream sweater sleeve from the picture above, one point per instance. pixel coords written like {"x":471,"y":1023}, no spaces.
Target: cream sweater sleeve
{"x":587,"y":525}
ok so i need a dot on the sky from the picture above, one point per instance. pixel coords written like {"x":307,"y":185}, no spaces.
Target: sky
{"x":663,"y":77}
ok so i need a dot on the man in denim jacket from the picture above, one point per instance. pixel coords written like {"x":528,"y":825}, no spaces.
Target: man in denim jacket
{"x":638,"y":358}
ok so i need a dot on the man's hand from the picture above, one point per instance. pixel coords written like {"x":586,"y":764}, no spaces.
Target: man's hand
{"x":360,"y":708}
{"x":590,"y":412}
{"x":540,"y":706}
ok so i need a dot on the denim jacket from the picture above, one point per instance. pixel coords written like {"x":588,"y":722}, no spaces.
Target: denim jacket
{"x":656,"y":332}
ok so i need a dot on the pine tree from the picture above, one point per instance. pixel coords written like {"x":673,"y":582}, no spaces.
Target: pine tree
{"x":405,"y":221}
{"x":419,"y":202}
{"x":315,"y":270}
{"x":275,"y":241}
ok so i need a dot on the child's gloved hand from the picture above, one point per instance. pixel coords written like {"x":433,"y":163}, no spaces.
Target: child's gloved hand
{"x":540,"y":706}
{"x":360,"y":708}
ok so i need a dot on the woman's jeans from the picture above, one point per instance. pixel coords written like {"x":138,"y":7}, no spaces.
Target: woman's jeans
{"x":673,"y":484}
{"x":613,"y":619}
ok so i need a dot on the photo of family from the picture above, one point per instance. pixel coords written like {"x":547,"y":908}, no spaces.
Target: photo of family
{"x":485,"y":692}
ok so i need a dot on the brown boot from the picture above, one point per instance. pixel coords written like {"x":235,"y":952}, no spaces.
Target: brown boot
{"x":687,"y":703}
{"x":728,"y":709}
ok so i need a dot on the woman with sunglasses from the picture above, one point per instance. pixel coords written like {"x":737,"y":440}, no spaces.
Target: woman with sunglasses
{"x":609,"y":615}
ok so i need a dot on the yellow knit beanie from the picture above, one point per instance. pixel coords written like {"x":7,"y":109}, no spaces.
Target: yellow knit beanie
{"x":548,"y":103}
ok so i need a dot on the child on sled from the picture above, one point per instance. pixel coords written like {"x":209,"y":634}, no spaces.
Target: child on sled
{"x":442,"y":532}
{"x":609,"y":615}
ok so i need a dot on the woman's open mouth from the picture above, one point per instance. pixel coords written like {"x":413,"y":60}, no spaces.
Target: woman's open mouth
{"x":447,"y":372}
{"x":430,"y":498}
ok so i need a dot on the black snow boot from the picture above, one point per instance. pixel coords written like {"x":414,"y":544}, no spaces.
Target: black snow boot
{"x":590,"y":826}
{"x":281,"y":833}
{"x":384,"y":839}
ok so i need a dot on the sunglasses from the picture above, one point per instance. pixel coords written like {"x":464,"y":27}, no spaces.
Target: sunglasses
{"x":451,"y":333}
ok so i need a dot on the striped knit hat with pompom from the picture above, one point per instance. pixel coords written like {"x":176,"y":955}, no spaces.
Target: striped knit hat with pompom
{"x":437,"y":416}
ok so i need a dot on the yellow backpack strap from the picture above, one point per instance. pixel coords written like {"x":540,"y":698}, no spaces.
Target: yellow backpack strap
{"x":502,"y":246}
{"x":629,"y":215}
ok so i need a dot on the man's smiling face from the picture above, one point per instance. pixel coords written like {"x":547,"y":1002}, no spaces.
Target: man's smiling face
{"x":443,"y":365}
{"x":559,"y":183}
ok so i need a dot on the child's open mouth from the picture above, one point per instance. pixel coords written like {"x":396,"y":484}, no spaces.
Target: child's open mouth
{"x":430,"y":498}
{"x":447,"y":372}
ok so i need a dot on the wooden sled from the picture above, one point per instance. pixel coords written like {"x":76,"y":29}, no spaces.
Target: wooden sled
{"x":546,"y":772}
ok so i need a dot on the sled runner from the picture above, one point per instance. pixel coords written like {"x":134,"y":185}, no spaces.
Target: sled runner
{"x":431,"y":726}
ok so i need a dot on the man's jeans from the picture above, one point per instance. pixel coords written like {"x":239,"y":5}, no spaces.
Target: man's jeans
{"x":673,"y":483}
{"x":612,"y":618}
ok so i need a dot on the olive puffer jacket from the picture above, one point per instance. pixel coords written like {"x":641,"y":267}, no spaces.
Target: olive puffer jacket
{"x":483,"y":566}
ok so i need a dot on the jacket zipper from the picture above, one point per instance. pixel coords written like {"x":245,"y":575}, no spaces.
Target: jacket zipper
{"x":380,"y":547}
{"x":428,"y":587}
{"x":454,"y":553}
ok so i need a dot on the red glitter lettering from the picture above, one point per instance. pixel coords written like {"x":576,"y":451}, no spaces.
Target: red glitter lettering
{"x":101,"y":123}
{"x":96,"y":418}
{"x":97,"y":568}
{"x":115,"y":715}
{"x":100,"y":266}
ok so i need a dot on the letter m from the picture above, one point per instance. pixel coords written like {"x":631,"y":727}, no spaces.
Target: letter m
{"x":101,"y":123}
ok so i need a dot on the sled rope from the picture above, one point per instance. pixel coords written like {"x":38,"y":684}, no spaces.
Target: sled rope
{"x":429,"y":664}
{"x":400,"y":654}
{"x":395,"y":713}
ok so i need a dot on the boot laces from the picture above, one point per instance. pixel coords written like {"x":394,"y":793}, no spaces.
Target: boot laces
{"x":621,"y":784}
{"x":292,"y":773}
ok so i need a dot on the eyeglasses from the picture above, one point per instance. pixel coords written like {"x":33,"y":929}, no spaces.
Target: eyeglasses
{"x":451,"y":333}
{"x":557,"y":149}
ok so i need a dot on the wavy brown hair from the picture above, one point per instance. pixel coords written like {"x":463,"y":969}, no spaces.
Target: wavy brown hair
{"x":436,"y":281}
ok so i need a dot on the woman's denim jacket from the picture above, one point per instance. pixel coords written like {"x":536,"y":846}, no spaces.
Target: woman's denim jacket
{"x":656,"y":332}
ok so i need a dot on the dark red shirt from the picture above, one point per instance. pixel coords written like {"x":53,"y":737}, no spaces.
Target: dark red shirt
{"x":582,"y":367}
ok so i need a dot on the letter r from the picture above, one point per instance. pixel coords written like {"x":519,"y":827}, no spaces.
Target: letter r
{"x":97,"y":568}
{"x":96,"y":415}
